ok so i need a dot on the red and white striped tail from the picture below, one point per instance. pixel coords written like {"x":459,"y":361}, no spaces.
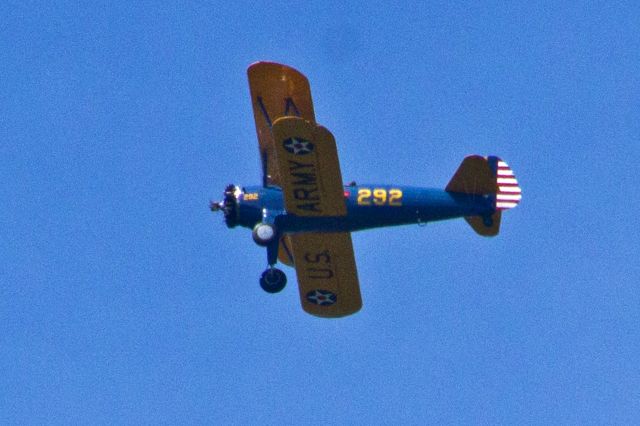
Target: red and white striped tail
{"x":509,"y":193}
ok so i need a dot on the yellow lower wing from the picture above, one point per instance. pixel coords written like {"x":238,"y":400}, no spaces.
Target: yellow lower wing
{"x":307,"y":163}
{"x":327,"y":275}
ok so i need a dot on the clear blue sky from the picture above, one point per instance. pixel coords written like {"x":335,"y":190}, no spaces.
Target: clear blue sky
{"x":123,"y":300}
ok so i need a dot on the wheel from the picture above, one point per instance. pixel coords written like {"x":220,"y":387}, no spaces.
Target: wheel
{"x":263,"y":234}
{"x":273,"y":280}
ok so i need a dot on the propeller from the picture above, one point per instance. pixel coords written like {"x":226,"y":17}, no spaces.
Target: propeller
{"x":229,"y":205}
{"x":216,"y":206}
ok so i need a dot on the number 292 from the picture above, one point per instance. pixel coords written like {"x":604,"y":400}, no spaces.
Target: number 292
{"x":379,"y":197}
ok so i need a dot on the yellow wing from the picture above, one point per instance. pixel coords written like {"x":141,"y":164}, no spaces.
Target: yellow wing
{"x":327,"y":275}
{"x":276,"y":91}
{"x":307,"y":163}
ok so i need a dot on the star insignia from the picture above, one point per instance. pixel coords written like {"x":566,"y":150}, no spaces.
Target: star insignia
{"x":322,"y":297}
{"x":297,"y":146}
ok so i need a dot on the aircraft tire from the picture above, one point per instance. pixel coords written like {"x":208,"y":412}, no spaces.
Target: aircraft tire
{"x":273,"y":280}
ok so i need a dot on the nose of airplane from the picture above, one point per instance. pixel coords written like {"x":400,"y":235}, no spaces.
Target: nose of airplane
{"x":229,"y":205}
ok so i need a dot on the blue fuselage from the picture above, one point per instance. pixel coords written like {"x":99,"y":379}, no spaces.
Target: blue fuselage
{"x":368,"y":206}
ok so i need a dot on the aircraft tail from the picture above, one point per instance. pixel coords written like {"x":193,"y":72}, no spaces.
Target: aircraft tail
{"x":487,"y":177}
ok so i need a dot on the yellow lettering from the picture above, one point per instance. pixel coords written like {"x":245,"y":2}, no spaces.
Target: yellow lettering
{"x":395,"y":197}
{"x":379,"y":197}
{"x":364,"y":196}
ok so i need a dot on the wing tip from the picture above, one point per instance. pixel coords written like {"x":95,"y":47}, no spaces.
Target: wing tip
{"x":332,"y":313}
{"x":262,"y":66}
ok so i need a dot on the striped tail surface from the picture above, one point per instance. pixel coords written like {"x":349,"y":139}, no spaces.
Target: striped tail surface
{"x":509,"y":193}
{"x":487,"y":176}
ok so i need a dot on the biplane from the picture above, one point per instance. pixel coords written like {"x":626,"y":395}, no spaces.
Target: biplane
{"x":303,"y":214}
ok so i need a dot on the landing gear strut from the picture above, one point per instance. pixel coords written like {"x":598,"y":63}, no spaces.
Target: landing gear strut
{"x":265,"y":234}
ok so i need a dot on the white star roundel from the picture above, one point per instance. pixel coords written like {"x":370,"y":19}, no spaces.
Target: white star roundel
{"x":322,"y":297}
{"x":297,"y":146}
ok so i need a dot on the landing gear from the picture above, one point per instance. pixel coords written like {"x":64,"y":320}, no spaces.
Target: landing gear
{"x":265,"y":234}
{"x":273,"y":280}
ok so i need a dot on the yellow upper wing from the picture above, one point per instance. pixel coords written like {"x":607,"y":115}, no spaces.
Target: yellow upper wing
{"x":276,"y":91}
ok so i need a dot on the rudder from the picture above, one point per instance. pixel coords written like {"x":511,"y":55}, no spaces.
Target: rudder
{"x":487,"y":176}
{"x":509,"y":193}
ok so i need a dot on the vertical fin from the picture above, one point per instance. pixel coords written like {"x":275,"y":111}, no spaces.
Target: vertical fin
{"x":487,"y":176}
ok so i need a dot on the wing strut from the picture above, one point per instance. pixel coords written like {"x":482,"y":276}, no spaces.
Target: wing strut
{"x":265,"y":162}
